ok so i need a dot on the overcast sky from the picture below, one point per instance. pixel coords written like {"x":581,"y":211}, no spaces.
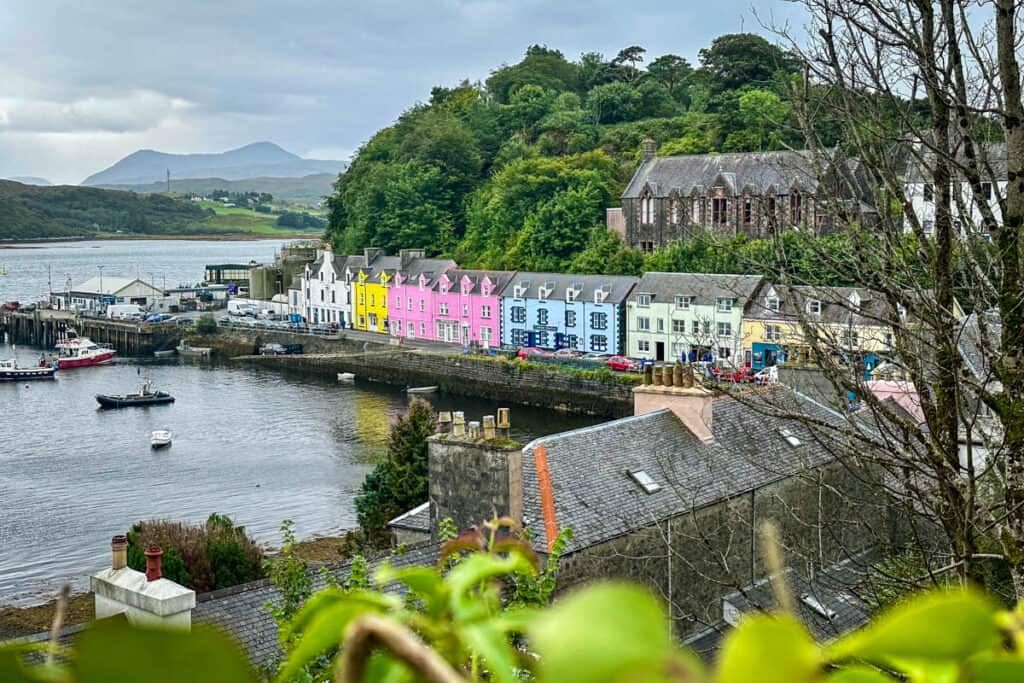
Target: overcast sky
{"x":85,"y":82}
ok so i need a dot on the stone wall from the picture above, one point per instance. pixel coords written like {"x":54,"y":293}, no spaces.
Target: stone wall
{"x":489,"y":378}
{"x":474,"y":481}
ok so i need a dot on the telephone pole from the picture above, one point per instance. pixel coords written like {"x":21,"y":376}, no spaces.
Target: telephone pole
{"x":168,"y":181}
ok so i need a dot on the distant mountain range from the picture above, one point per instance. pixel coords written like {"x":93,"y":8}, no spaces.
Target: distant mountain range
{"x":308,"y":189}
{"x":258,"y":160}
{"x":29,"y":180}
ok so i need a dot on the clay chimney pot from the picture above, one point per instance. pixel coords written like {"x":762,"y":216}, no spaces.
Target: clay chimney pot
{"x":153,"y":568}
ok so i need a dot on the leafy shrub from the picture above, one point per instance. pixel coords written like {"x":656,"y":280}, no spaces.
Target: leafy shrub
{"x":203,"y":557}
{"x":206,"y":324}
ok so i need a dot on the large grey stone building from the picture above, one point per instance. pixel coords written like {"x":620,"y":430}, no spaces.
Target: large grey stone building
{"x":753,"y":193}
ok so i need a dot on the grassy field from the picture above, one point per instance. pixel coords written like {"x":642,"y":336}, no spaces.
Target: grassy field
{"x":238,"y":220}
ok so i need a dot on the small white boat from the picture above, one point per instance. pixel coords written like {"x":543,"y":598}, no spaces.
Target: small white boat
{"x":421,"y":390}
{"x":186,"y":349}
{"x":346,"y":377}
{"x":161,"y":438}
{"x":166,"y":353}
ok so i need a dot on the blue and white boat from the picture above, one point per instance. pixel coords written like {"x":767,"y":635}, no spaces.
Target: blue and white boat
{"x":10,"y":372}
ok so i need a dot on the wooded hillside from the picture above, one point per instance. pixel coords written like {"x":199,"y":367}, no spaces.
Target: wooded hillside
{"x":516,"y":172}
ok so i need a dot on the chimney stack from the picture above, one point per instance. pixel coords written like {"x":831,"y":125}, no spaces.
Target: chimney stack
{"x":406,"y":256}
{"x":489,"y":432}
{"x":118,"y":552}
{"x":154,"y":570}
{"x":444,"y":422}
{"x":474,"y":430}
{"x":459,"y":424}
{"x":144,"y":599}
{"x":648,"y":148}
{"x":691,"y":404}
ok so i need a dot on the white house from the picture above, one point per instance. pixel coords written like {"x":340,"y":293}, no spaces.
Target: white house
{"x":919,"y":188}
{"x":325,"y":294}
{"x":97,"y":293}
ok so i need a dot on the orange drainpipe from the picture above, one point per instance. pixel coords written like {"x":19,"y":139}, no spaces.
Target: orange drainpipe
{"x":547,"y":495}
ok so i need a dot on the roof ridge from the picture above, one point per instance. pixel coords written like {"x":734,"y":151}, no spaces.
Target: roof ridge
{"x":592,"y":428}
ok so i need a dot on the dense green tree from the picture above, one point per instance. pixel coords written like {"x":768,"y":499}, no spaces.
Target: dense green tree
{"x":627,"y":60}
{"x":764,"y":114}
{"x":594,"y":70}
{"x":399,"y":482}
{"x":607,"y":254}
{"x":738,"y":59}
{"x":655,"y":100}
{"x":613,"y":102}
{"x":541,"y":66}
{"x":670,"y":70}
{"x":558,"y":228}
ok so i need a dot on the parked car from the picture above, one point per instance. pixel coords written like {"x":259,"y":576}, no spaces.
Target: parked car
{"x":11,"y":306}
{"x":533,"y":352}
{"x":768,"y":375}
{"x":567,"y":353}
{"x":272,"y":350}
{"x":623,"y":364}
{"x":730,"y":373}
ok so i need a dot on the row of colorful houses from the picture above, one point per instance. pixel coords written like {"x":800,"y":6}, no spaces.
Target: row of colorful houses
{"x":743,"y":319}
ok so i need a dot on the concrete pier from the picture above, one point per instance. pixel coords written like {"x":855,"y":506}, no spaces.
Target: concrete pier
{"x":44,"y":328}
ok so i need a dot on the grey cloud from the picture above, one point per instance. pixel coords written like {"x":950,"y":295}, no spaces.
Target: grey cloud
{"x":311,"y":74}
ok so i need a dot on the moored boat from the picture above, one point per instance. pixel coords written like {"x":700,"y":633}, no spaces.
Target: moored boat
{"x":146,"y":396}
{"x":160,"y":438}
{"x":82,"y":352}
{"x":421,"y":390}
{"x":10,"y":372}
{"x":166,"y":353}
{"x":186,"y":349}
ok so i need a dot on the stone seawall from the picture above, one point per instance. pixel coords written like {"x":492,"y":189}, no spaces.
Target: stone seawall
{"x":490,"y":378}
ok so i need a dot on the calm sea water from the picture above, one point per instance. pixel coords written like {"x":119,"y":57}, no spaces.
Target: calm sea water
{"x":32,"y":268}
{"x":250,"y":443}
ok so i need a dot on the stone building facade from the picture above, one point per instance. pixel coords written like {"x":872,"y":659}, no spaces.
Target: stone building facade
{"x":751,"y":193}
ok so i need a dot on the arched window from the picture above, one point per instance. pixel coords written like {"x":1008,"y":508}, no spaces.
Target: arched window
{"x":795,"y":207}
{"x":646,"y":208}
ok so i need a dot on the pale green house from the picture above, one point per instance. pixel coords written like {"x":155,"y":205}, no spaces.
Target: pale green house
{"x":689,"y":316}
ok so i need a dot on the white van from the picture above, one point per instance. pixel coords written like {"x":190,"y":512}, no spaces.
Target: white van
{"x":125,"y":312}
{"x":241,"y":307}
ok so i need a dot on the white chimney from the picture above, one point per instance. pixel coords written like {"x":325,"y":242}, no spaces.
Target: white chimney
{"x":692,"y":405}
{"x":146,"y":599}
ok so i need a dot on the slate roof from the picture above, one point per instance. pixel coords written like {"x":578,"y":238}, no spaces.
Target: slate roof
{"x":433,"y":268}
{"x":241,"y":610}
{"x":417,"y":519}
{"x":836,"y":305}
{"x":499,"y":278}
{"x":917,"y":160}
{"x":296,"y":283}
{"x":596,"y":497}
{"x":618,"y":286}
{"x":758,"y":171}
{"x":704,"y":289}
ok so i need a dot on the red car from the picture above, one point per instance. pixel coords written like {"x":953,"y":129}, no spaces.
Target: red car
{"x":622,"y":364}
{"x":528,"y":351}
{"x":732,"y":374}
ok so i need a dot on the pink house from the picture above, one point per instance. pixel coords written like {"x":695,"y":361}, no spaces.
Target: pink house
{"x":467,"y":308}
{"x":411,"y":297}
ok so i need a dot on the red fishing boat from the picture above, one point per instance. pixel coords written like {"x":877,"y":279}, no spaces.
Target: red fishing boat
{"x":82,"y":352}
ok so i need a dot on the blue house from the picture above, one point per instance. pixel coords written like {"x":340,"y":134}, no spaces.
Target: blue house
{"x":558,"y":311}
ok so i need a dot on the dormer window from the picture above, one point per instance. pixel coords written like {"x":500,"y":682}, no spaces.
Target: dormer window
{"x":901,"y":310}
{"x":643,"y":300}
{"x":790,"y":438}
{"x":772,"y":303}
{"x":683,"y":303}
{"x":814,"y":307}
{"x":544,"y":291}
{"x":519,"y":290}
{"x":600,"y":294}
{"x":725,"y":305}
{"x":571,"y":293}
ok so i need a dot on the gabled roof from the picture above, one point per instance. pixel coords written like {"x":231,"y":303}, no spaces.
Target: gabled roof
{"x":432,"y":268}
{"x":703,"y":289}
{"x":596,"y":497}
{"x":499,"y":279}
{"x":979,"y":341}
{"x":738,"y":170}
{"x":617,"y":287}
{"x":111,"y":285}
{"x":837,"y":306}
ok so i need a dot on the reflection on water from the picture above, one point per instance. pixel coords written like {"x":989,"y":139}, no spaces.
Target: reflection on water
{"x":250,"y":443}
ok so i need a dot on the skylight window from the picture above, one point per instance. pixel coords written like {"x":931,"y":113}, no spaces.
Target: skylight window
{"x":790,"y":438}
{"x":645,"y":481}
{"x":817,"y":606}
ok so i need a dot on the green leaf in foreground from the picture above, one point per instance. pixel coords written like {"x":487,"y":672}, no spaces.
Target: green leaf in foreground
{"x":607,"y":632}
{"x":949,"y":626}
{"x":112,"y":650}
{"x":769,"y":649}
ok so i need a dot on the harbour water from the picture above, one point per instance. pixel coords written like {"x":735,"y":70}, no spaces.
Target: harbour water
{"x":250,"y":443}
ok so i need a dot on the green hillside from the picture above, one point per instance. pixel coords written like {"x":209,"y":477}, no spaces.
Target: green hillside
{"x":517,"y":172}
{"x":31,"y":212}
{"x":306,"y":190}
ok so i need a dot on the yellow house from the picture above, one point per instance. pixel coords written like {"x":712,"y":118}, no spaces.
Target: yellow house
{"x":851,"y":322}
{"x":370,"y":281}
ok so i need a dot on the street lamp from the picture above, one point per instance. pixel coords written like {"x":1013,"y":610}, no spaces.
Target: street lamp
{"x":101,"y":287}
